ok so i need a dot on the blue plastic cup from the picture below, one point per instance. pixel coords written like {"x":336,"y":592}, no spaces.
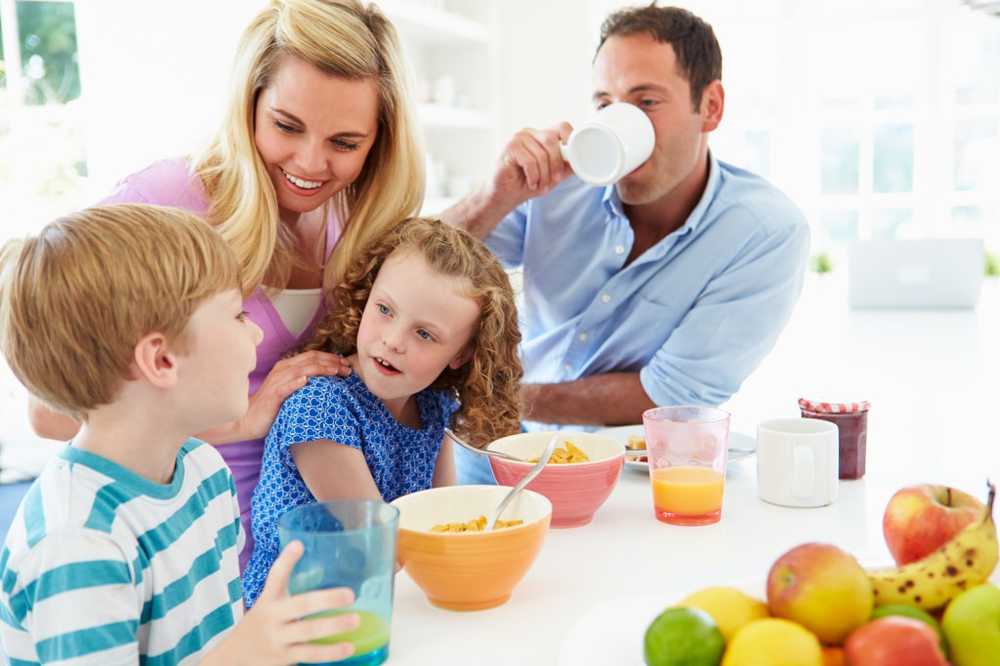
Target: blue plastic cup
{"x":348,"y":543}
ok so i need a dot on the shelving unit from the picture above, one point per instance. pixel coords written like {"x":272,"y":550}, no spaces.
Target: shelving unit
{"x":452,"y":50}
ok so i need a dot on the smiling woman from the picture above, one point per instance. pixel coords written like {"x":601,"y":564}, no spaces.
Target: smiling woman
{"x":316,"y":157}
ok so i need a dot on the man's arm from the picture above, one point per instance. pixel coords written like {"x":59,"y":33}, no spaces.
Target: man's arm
{"x":479,"y":213}
{"x":530,"y":165}
{"x":707,"y":356}
{"x":613,"y":398}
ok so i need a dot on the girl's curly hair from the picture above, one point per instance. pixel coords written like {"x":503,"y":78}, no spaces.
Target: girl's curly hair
{"x":487,"y":386}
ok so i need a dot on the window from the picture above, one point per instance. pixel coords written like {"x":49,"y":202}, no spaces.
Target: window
{"x":880,"y":118}
{"x":43,"y":167}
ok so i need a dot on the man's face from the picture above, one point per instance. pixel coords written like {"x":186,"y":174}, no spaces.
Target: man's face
{"x":642,"y":71}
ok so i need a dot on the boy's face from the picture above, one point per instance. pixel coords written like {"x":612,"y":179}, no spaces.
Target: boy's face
{"x":213,"y":376}
{"x":416,"y":323}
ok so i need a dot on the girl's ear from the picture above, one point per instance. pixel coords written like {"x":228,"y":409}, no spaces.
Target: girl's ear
{"x":461,"y":358}
{"x":154,"y":362}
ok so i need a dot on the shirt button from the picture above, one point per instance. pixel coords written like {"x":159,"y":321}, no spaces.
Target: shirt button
{"x":605,"y":298}
{"x":582,"y":337}
{"x":568,"y":367}
{"x":619,"y":249}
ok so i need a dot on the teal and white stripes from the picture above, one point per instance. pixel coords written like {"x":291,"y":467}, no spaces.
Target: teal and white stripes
{"x":102,"y":566}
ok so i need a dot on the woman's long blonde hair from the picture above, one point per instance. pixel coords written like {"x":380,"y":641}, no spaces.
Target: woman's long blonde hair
{"x":488,"y":385}
{"x":343,"y":38}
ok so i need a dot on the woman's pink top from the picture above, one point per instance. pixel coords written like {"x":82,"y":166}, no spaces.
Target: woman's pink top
{"x":171,"y":183}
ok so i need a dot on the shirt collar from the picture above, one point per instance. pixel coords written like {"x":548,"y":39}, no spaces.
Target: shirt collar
{"x":613,"y":203}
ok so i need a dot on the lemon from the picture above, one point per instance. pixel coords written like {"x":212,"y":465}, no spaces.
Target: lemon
{"x":773,"y":642}
{"x":683,"y":637}
{"x":730,"y":608}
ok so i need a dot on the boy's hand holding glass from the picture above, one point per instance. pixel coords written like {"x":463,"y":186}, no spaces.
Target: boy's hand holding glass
{"x":272,"y":633}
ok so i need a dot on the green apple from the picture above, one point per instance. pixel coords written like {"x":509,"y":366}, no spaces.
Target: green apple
{"x":972,"y":624}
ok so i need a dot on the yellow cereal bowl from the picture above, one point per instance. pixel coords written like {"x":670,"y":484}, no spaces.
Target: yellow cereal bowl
{"x":467,"y":571}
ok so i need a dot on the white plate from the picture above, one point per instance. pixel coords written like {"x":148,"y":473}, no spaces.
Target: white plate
{"x":612,"y":631}
{"x":740,"y":446}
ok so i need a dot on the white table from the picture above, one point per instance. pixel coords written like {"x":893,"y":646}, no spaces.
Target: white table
{"x":934,"y":382}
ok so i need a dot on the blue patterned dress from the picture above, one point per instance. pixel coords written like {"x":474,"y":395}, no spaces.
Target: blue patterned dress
{"x":401,"y":459}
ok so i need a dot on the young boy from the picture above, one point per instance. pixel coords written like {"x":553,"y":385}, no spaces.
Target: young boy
{"x":129,"y":318}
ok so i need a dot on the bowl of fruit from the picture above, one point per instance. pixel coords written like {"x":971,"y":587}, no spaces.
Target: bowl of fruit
{"x":939,"y":604}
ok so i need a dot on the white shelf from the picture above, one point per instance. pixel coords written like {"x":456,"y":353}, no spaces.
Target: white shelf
{"x":428,"y":24}
{"x":436,"y":115}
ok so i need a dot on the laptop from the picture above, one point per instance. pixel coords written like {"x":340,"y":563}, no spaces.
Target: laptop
{"x":929,"y":273}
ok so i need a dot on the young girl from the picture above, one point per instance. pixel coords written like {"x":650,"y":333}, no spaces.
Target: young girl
{"x":427,"y":320}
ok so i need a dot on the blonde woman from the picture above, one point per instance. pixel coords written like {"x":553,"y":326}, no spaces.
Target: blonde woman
{"x":317,"y":156}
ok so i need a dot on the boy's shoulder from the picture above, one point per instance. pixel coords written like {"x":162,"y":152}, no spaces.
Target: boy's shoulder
{"x":81,"y":494}
{"x":201,"y":457}
{"x":59,"y":519}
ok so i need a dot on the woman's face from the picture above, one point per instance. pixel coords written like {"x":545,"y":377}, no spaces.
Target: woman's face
{"x":313,"y":131}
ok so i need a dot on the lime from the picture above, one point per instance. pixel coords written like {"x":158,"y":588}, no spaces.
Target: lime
{"x":916,"y":614}
{"x":683,"y":637}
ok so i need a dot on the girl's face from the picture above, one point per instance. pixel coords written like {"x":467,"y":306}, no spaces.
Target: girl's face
{"x":314,"y":132}
{"x":416,"y":323}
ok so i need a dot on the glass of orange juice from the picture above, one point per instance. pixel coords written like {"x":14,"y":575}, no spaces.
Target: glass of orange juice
{"x":687,"y":448}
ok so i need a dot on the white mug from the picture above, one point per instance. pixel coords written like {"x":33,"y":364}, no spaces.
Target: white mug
{"x":798,"y":462}
{"x":610,"y":145}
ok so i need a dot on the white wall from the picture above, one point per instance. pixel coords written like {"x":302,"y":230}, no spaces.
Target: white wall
{"x":153,"y":75}
{"x":545,"y":51}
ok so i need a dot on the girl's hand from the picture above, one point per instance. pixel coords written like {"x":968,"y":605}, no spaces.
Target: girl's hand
{"x":286,"y":377}
{"x":272,"y":633}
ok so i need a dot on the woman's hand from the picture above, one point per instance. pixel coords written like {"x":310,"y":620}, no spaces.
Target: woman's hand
{"x":286,"y":377}
{"x":272,"y":632}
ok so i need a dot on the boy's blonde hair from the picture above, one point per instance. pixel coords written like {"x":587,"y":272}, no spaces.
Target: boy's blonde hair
{"x":488,"y":384}
{"x":76,"y":298}
{"x":343,"y":38}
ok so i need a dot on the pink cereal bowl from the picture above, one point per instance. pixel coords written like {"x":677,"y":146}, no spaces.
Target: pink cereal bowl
{"x":576,"y":490}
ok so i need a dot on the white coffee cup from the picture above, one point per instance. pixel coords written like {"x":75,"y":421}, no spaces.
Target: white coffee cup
{"x":798,"y":462}
{"x":610,"y":145}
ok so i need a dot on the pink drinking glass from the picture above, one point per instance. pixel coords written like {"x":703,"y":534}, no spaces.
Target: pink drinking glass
{"x":687,"y":448}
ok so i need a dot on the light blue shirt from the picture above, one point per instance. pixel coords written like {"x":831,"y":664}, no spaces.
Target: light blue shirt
{"x":693,"y":315}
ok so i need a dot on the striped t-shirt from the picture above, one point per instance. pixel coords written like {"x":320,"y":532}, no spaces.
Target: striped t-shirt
{"x":102,"y":566}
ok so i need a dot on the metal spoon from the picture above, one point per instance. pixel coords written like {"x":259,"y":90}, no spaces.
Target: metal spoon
{"x":483,"y":452}
{"x":528,"y":478}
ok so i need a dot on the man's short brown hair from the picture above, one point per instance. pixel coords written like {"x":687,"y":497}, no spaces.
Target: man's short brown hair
{"x":693,"y":40}
{"x":76,"y":298}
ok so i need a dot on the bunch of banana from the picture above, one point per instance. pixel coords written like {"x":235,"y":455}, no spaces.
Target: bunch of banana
{"x":930,"y":583}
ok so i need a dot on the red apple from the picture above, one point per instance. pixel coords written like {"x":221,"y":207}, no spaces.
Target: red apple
{"x":920,"y":519}
{"x":894,"y":641}
{"x":822,"y":588}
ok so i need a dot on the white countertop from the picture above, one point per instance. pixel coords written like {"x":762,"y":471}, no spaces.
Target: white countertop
{"x":934,"y":382}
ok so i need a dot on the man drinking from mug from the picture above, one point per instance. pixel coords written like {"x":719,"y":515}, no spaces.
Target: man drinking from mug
{"x":668,"y":287}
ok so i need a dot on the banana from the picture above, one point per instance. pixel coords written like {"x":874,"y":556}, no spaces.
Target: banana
{"x":966,"y":560}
